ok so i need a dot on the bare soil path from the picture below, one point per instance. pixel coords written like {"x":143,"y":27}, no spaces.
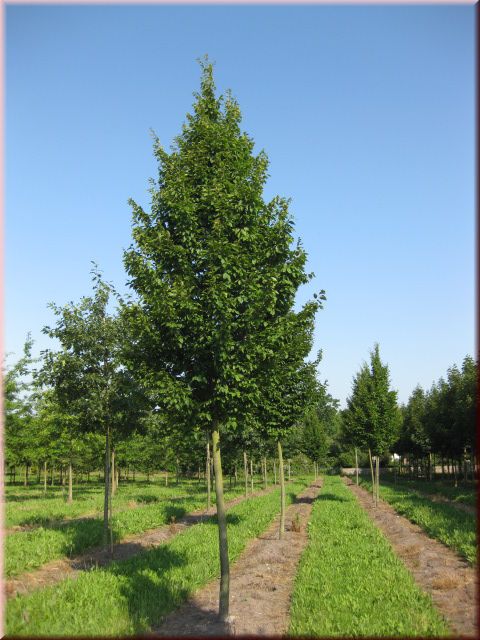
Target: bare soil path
{"x":261,"y":582}
{"x":57,"y":570}
{"x":439,"y":571}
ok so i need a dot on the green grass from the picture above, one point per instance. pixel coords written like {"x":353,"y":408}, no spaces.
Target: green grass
{"x":28,"y":550}
{"x":29,"y":506}
{"x":462,"y":494}
{"x":349,"y":581}
{"x":439,"y":520}
{"x":132,"y":596}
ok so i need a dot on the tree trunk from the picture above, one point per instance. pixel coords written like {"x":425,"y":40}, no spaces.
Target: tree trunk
{"x":117,"y":478}
{"x":274,"y":472}
{"x":107,"y":490}
{"x":289,"y":470}
{"x":245,"y":471}
{"x":222,"y":528}
{"x":112,"y":472}
{"x":207,"y":473}
{"x":53,"y":475}
{"x":14,"y":473}
{"x":70,"y":484}
{"x":251,"y":474}
{"x":45,"y":477}
{"x":373,"y":477}
{"x":356,"y":463}
{"x":25,"y":478}
{"x":282,"y":491}
{"x":265,"y":480}
{"x":38,"y":473}
{"x":236,"y":475}
{"x":176,"y":472}
{"x":377,"y":495}
{"x":166,"y":478}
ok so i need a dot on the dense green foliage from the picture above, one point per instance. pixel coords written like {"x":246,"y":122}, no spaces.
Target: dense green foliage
{"x":350,"y":583}
{"x":372,"y":418}
{"x":442,"y":421}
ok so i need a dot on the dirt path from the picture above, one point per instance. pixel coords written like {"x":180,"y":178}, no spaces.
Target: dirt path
{"x":261,"y":582}
{"x":438,"y":570}
{"x":58,"y":570}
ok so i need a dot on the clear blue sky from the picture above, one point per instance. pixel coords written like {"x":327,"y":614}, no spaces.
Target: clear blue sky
{"x":366,"y":114}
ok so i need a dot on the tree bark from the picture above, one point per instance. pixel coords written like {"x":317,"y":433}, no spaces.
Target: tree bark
{"x":70,"y":483}
{"x":289,"y":470}
{"x":356,"y":463}
{"x":251,"y":475}
{"x":373,"y":477}
{"x":107,"y":490}
{"x":265,"y":479}
{"x":245,"y":471}
{"x":166,"y":478}
{"x":207,"y":472}
{"x":45,"y":477}
{"x":282,"y":491}
{"x":274,"y":472}
{"x":377,"y":495}
{"x":112,"y":472}
{"x":222,"y":528}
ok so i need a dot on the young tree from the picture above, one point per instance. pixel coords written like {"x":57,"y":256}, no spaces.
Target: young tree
{"x":19,"y":401}
{"x":88,"y":376}
{"x":213,"y":269}
{"x":372,"y":416}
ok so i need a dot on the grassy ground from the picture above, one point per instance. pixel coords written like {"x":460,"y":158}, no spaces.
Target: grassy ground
{"x":137,"y":508}
{"x":444,"y":522}
{"x":30,"y":506}
{"x":463,"y":493}
{"x":350,"y":583}
{"x":132,"y":596}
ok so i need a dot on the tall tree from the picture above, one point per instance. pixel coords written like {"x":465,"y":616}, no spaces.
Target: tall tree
{"x":213,"y":267}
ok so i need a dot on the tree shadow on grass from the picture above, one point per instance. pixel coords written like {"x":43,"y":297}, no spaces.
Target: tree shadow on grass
{"x":148,"y":587}
{"x":330,"y":497}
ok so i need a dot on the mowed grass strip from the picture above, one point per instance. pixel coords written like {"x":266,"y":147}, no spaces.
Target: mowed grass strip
{"x":462,"y":494}
{"x":28,"y":550}
{"x":30,"y":506}
{"x":439,"y":520}
{"x":350,"y":582}
{"x":132,"y":596}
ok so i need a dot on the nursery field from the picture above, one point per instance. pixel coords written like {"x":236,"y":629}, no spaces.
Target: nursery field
{"x":131,"y":596}
{"x":440,"y":520}
{"x":50,"y":528}
{"x":330,"y":596}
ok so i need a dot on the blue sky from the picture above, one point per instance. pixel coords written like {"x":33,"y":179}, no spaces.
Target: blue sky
{"x":366,"y":114}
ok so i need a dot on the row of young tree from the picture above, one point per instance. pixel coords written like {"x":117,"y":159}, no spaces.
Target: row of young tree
{"x":439,"y":425}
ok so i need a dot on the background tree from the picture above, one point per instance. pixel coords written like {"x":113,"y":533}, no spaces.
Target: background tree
{"x":88,"y":376}
{"x":372,"y":417}
{"x":19,"y":401}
